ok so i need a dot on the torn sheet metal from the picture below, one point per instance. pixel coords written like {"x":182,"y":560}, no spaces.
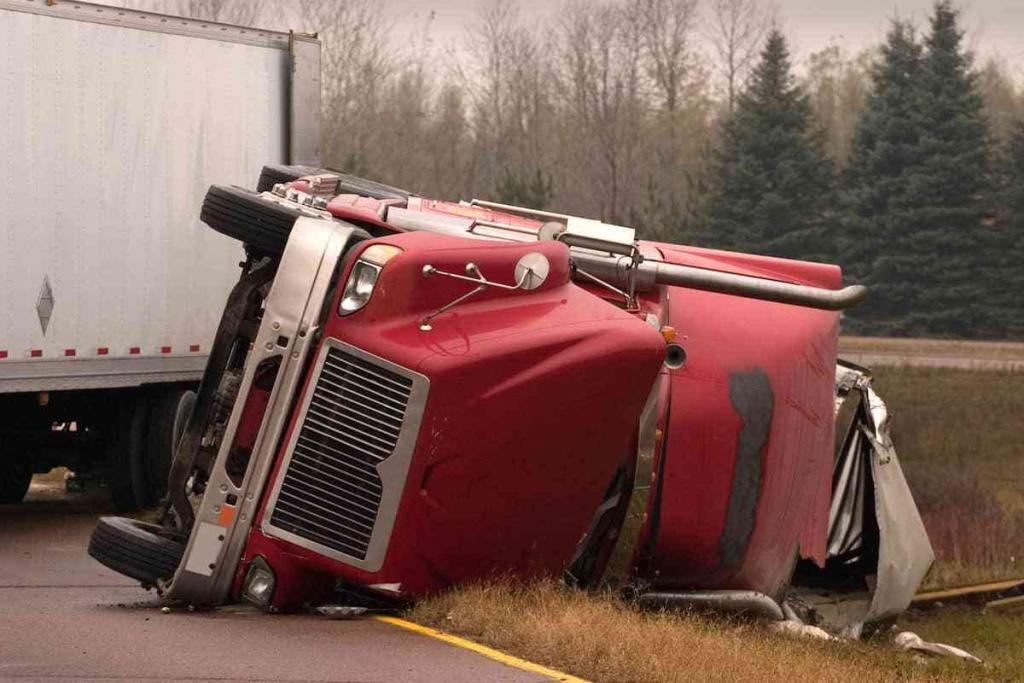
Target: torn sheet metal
{"x":873,"y":514}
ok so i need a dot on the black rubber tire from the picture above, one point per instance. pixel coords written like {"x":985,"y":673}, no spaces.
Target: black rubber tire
{"x":350,"y":184}
{"x":135,"y":549}
{"x":127,"y":477}
{"x":168,"y":416}
{"x":261,"y":224}
{"x":15,"y":475}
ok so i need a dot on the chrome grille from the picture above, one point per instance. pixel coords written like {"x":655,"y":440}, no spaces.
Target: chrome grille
{"x":331,"y":491}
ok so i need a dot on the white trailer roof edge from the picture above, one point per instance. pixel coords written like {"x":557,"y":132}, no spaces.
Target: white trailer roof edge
{"x":304,"y":106}
{"x":153,"y":21}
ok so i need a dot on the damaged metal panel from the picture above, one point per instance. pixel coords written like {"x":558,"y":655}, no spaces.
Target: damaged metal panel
{"x":873,"y":519}
{"x":905,"y":554}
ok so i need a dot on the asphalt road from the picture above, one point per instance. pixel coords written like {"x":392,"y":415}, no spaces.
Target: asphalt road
{"x":63,"y":616}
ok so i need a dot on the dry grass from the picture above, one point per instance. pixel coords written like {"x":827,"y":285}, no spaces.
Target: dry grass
{"x":958,"y":435}
{"x":601,"y":639}
{"x":933,"y":347}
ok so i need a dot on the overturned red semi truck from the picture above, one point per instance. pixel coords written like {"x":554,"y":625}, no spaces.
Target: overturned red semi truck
{"x":406,"y":394}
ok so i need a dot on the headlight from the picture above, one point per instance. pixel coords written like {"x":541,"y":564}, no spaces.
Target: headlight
{"x":364,"y":276}
{"x":258,"y":587}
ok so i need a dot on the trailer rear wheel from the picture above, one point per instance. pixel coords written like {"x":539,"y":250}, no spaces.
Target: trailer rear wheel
{"x":136,"y":549}
{"x":167,"y":419}
{"x":127,"y":477}
{"x":15,"y":475}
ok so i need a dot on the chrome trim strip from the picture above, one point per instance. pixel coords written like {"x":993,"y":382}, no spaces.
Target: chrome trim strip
{"x":63,"y":374}
{"x":150,"y":21}
{"x":393,"y":470}
{"x":292,"y":310}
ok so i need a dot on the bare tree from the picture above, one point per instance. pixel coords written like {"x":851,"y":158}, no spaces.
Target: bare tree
{"x":838,"y":86}
{"x":508,"y":84}
{"x":357,"y":63}
{"x":736,"y":30}
{"x":1004,"y":99}
{"x":601,"y":82}
{"x":667,"y":33}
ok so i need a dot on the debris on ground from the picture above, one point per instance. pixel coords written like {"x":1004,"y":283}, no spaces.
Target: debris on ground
{"x":340,"y":611}
{"x":910,"y":641}
{"x":796,"y":629}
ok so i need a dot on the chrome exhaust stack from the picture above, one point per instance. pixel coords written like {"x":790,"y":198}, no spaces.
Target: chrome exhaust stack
{"x":644,"y":273}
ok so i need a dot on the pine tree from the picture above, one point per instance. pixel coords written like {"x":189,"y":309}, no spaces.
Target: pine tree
{"x":535,"y":192}
{"x":774,"y":184}
{"x":885,"y":148}
{"x":1009,"y":231}
{"x":950,"y":263}
{"x":916,"y":192}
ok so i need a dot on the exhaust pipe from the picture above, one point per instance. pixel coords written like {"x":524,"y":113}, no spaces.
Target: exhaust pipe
{"x":728,"y":601}
{"x":619,"y":271}
{"x":760,"y":288}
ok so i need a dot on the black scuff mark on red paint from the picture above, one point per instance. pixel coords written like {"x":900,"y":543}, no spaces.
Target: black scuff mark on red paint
{"x":752,"y":397}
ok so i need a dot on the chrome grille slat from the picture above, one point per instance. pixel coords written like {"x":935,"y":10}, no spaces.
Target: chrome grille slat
{"x":324,"y":418}
{"x":354,"y":496}
{"x":332,"y":520}
{"x":321,"y":538}
{"x":313,"y":534}
{"x":339,"y":396}
{"x":343,"y":469}
{"x":348,"y":384}
{"x":402,"y":385}
{"x":331,"y":490}
{"x":314,"y":427}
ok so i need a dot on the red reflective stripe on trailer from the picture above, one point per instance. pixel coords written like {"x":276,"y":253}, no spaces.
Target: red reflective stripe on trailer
{"x":165,"y":349}
{"x":194,"y":348}
{"x":69,"y":352}
{"x":36,"y":353}
{"x":135,"y":350}
{"x":102,"y":351}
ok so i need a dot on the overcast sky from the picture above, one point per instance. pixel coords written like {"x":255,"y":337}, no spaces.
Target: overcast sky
{"x":993,"y":26}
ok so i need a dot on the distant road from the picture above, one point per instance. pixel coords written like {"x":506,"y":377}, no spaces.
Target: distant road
{"x":932,"y":353}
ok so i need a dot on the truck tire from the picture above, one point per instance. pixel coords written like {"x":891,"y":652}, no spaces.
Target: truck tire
{"x":127,"y":442}
{"x":260,"y":224}
{"x":136,"y":549}
{"x":15,"y":475}
{"x":167,"y":419}
{"x":350,"y":184}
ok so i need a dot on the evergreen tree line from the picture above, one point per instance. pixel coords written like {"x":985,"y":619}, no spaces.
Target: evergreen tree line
{"x":687,"y":120}
{"x":927,"y":211}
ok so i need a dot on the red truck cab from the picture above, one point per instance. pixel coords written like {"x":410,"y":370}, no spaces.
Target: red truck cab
{"x":408,"y":394}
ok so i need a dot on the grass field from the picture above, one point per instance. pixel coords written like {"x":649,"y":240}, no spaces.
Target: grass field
{"x":952,"y":348}
{"x":599,"y":638}
{"x":958,"y":435}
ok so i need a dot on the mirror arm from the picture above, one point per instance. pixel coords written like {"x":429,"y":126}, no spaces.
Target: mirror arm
{"x":477,"y":278}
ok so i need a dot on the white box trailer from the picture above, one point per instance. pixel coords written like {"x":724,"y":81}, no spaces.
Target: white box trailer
{"x":113,"y":123}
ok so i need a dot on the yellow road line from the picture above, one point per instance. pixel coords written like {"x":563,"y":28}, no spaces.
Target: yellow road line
{"x":490,"y":653}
